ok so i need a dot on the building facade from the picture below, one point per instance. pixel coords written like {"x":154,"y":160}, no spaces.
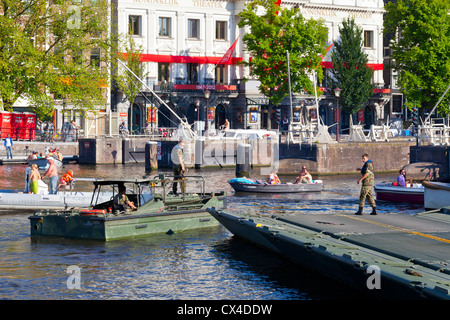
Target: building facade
{"x":184,"y":39}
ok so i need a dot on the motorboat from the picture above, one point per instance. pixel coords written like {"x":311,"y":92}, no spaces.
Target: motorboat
{"x":260,"y":186}
{"x":42,"y":163}
{"x":391,"y":192}
{"x":21,"y":200}
{"x":157,"y":211}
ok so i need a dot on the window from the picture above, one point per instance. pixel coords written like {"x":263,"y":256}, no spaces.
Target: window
{"x":164,"y":26}
{"x":192,"y":73}
{"x":135,"y":25}
{"x":368,"y":39}
{"x":163,"y":72}
{"x":59,"y":55}
{"x":220,"y":74}
{"x":95,"y":58}
{"x":77,"y":56}
{"x":193,"y":28}
{"x":221,"y":30}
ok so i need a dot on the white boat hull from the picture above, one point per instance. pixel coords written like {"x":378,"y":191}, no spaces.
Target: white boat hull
{"x":29,"y":201}
{"x":437,"y":195}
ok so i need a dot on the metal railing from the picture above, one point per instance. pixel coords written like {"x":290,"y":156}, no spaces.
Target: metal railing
{"x":49,"y":135}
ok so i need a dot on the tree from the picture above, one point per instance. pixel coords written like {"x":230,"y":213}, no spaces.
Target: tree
{"x":52,"y":51}
{"x":271,"y":36}
{"x":420,"y":32}
{"x":350,"y":71}
{"x":125,"y":80}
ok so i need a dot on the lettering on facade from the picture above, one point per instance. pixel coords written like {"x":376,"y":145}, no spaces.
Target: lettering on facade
{"x":319,"y":12}
{"x":325,"y":12}
{"x":169,"y":2}
{"x":196,"y":3}
{"x":207,"y":4}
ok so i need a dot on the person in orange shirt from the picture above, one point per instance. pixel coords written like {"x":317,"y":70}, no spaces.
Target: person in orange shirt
{"x":65,"y":179}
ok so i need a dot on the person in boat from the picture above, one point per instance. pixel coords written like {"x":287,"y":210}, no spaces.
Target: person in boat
{"x":273,"y":178}
{"x":55,"y":153}
{"x":367,"y":180}
{"x":66,"y":179}
{"x":304,"y":176}
{"x":32,"y":156}
{"x":121,"y":201}
{"x":179,"y":168}
{"x":52,"y":173}
{"x":401,"y":179}
{"x":34,"y":178}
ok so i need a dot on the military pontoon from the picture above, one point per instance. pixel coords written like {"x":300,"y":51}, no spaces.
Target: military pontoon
{"x":158,"y":211}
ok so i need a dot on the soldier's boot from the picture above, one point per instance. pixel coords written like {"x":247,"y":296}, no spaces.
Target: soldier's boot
{"x":359,"y":212}
{"x":374,"y":211}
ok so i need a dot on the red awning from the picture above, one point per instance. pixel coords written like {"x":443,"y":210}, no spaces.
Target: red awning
{"x":186,"y":59}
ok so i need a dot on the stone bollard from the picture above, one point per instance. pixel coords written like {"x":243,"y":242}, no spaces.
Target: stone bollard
{"x":151,"y":154}
{"x":243,"y":160}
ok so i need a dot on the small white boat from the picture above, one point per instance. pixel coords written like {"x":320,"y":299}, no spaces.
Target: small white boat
{"x":19,"y":200}
{"x":437,"y":195}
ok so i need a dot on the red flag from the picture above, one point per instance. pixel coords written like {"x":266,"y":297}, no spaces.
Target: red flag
{"x":227,"y":56}
{"x":328,"y":49}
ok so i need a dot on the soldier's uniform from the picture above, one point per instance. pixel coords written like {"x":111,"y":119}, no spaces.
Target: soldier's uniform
{"x":367,"y":186}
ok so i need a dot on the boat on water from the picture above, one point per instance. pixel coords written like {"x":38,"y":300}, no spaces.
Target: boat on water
{"x":157,"y":211}
{"x":394,"y":193}
{"x":14,"y":200}
{"x":436,"y":195}
{"x":42,"y":163}
{"x":259,"y":186}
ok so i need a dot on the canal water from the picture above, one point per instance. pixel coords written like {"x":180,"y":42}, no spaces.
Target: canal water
{"x":208,"y":264}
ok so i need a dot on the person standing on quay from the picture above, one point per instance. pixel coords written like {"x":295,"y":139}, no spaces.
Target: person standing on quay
{"x":368,"y":180}
{"x":52,"y":173}
{"x":8,"y":145}
{"x":178,"y":167}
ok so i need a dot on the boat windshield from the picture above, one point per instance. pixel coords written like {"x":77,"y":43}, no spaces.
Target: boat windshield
{"x":146,"y":195}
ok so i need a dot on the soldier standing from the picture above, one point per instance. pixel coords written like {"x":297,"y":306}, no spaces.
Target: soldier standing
{"x":368,"y":180}
{"x":178,"y":167}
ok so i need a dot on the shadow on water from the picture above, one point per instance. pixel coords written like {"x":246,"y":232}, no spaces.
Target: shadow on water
{"x":302,"y":283}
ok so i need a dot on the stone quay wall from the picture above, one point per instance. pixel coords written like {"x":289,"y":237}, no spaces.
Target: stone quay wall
{"x":342,"y":158}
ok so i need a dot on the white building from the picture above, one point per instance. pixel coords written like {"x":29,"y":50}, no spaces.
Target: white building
{"x":184,"y":39}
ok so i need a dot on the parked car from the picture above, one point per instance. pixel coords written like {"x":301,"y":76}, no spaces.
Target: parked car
{"x":243,"y":134}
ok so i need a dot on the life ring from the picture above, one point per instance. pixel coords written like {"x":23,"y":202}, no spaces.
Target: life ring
{"x":92,"y":212}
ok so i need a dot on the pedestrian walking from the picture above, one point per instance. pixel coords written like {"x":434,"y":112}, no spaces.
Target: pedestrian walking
{"x":367,"y":180}
{"x":8,"y":145}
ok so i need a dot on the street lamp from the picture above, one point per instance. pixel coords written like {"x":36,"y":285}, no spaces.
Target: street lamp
{"x":337,"y":93}
{"x":207,"y":93}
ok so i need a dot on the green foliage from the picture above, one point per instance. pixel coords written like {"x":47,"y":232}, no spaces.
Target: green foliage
{"x":129,"y":85}
{"x":48,"y":53}
{"x":271,"y":36}
{"x":420,"y":45}
{"x":350,"y":70}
